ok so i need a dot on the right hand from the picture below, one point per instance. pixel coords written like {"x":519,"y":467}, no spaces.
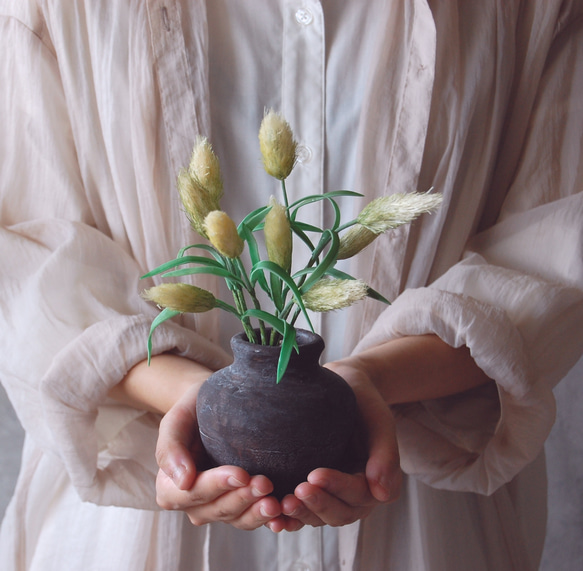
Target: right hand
{"x":227,"y":493}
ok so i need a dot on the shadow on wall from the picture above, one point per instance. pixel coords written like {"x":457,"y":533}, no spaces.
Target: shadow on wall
{"x":11,"y":440}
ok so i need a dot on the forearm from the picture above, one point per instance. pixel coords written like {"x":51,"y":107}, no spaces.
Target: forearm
{"x":156,"y":387}
{"x":416,"y":368}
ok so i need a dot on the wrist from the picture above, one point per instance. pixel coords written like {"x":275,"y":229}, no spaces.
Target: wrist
{"x":158,"y":386}
{"x":415,"y":368}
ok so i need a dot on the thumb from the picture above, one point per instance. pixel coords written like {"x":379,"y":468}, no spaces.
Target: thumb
{"x":177,"y":433}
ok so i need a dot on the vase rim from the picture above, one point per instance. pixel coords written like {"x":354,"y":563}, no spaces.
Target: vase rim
{"x":304,"y":338}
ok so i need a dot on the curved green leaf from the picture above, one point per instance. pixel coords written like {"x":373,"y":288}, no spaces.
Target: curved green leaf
{"x":275,"y":322}
{"x":287,"y":279}
{"x":164,"y":315}
{"x":328,"y":262}
{"x":247,"y":235}
{"x":202,"y":260}
{"x":288,"y":344}
{"x":219,"y":272}
{"x":298,"y":231}
{"x":253,"y":219}
{"x":205,"y":247}
{"x":306,"y":227}
{"x":324,"y":196}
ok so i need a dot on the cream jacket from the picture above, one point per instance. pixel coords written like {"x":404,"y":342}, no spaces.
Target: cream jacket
{"x":99,"y":106}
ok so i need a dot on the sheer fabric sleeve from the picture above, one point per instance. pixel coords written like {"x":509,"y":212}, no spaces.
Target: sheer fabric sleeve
{"x":515,"y":299}
{"x":71,"y":319}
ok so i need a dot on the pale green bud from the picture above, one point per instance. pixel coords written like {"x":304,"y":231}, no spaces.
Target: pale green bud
{"x":223,"y":235}
{"x":329,"y":294}
{"x":278,"y":235}
{"x":181,"y":297}
{"x":277,"y":145}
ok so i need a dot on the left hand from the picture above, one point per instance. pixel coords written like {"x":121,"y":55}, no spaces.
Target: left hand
{"x":334,"y":498}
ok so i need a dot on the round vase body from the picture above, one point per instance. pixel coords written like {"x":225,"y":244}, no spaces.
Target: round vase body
{"x":281,"y":430}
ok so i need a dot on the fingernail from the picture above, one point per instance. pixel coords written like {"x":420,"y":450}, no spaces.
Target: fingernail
{"x":305,"y":498}
{"x":384,"y":487}
{"x":265,"y":512}
{"x":178,"y":475}
{"x":234,"y":483}
{"x":257,"y":493}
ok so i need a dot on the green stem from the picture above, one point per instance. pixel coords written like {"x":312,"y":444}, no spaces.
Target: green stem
{"x":243,"y":274}
{"x":240,"y":302}
{"x":285,"y":199}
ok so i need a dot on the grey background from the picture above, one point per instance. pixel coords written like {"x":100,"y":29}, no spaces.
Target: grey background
{"x":564,"y":448}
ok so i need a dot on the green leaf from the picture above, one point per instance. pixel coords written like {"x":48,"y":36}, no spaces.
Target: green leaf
{"x":287,"y":279}
{"x":275,"y":322}
{"x":164,"y":315}
{"x":324,"y":196}
{"x":214,"y":271}
{"x":227,"y":307}
{"x":207,"y":248}
{"x":276,"y":291}
{"x":298,"y":231}
{"x":247,"y":235}
{"x":253,"y":219}
{"x":288,"y":344}
{"x":328,"y":262}
{"x":306,"y":227}
{"x":202,"y":260}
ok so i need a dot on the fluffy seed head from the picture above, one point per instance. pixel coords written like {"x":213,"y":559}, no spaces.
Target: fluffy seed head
{"x":197,"y":202}
{"x":205,"y":169}
{"x":329,"y":294}
{"x":223,"y":235}
{"x":277,"y":145}
{"x":278,"y":235}
{"x":388,"y":212}
{"x":355,"y":239}
{"x":181,"y":297}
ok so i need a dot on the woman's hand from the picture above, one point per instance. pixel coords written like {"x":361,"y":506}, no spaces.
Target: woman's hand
{"x":403,"y":370}
{"x":169,"y":386}
{"x":227,"y":493}
{"x":335,"y":498}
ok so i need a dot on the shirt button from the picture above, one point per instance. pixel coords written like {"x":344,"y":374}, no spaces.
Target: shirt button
{"x":303,"y":154}
{"x":304,"y":17}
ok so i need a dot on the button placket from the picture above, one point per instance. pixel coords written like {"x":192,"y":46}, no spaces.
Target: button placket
{"x":303,"y":99}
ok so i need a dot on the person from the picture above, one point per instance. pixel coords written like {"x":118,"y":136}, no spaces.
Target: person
{"x":100,"y":106}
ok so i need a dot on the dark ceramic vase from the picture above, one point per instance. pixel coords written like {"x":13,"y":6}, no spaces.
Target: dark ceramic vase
{"x":283,"y":431}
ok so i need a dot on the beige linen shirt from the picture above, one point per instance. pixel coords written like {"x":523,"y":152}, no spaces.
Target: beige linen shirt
{"x":100,"y":104}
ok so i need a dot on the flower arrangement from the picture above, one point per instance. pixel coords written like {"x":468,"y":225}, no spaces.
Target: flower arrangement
{"x":318,"y":287}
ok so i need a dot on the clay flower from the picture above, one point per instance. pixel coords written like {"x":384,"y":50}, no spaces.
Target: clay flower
{"x":257,"y":253}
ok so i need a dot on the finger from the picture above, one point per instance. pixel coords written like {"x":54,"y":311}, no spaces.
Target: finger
{"x":248,"y":507}
{"x":352,"y":489}
{"x":295,"y":510}
{"x":383,"y":469}
{"x":284,"y":523}
{"x":209,"y":486}
{"x":328,"y":508}
{"x":176,"y":435}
